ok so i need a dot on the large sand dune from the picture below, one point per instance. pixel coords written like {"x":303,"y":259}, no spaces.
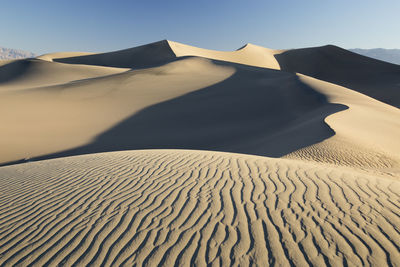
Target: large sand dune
{"x":165,"y":51}
{"x":31,"y":73}
{"x":331,"y":195}
{"x":188,"y":207}
{"x":188,"y":97}
{"x":375,"y":78}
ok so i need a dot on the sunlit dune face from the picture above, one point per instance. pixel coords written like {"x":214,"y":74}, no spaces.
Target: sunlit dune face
{"x":48,"y":119}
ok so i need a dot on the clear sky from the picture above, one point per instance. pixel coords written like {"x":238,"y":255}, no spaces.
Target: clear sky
{"x":43,"y":26}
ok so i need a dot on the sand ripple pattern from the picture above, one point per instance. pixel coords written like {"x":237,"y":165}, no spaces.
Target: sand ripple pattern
{"x":185,"y":208}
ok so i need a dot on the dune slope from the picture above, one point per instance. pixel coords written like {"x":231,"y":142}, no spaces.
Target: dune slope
{"x":193,"y":98}
{"x":331,"y":199}
{"x":172,"y":207}
{"x":191,"y":103}
{"x":250,"y":54}
{"x":375,"y":78}
{"x":45,"y":120}
{"x":366,"y":134}
{"x":165,"y":51}
{"x":31,"y":73}
{"x":144,"y":56}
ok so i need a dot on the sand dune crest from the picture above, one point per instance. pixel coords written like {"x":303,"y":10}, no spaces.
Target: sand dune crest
{"x":375,"y":78}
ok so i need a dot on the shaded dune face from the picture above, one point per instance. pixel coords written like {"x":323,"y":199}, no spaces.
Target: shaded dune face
{"x":31,"y":73}
{"x":165,"y":51}
{"x":14,"y":69}
{"x":248,"y":112}
{"x":43,"y":120}
{"x":171,"y":95}
{"x":377,"y":79}
{"x":171,"y":207}
{"x":138,"y":57}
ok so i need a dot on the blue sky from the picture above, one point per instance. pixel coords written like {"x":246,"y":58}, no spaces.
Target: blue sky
{"x":44,"y":26}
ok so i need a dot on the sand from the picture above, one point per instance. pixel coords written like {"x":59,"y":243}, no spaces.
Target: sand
{"x":174,"y":207}
{"x":135,"y":158}
{"x":372,"y":77}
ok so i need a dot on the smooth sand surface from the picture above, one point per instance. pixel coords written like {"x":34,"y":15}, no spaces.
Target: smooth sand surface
{"x":57,"y":55}
{"x":5,"y":61}
{"x":329,"y":196}
{"x":366,"y":134}
{"x":49,"y":119}
{"x":31,"y":73}
{"x":165,"y":51}
{"x":249,"y":54}
{"x":144,"y":56}
{"x":375,"y":78}
{"x":187,"y":208}
{"x":197,"y":99}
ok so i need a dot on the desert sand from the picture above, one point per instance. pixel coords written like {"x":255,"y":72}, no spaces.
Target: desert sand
{"x":169,"y":154}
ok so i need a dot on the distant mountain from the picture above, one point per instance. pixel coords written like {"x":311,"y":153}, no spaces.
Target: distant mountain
{"x":388,"y":55}
{"x":8,"y":53}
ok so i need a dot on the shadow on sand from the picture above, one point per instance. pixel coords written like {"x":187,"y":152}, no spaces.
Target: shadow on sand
{"x":255,"y":111}
{"x":372,"y":77}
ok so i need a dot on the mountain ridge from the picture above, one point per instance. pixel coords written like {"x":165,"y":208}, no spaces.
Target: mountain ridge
{"x":10,"y":53}
{"x":388,"y":55}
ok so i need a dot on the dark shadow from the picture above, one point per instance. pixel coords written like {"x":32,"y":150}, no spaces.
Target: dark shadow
{"x":375,"y":78}
{"x":144,"y":56}
{"x":255,"y":111}
{"x":15,"y":69}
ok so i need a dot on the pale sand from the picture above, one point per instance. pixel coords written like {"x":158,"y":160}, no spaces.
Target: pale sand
{"x":366,"y":134}
{"x":31,"y":73}
{"x":196,"y":99}
{"x":5,"y":61}
{"x":44,"y":120}
{"x":249,"y":54}
{"x":165,"y":51}
{"x":57,"y":55}
{"x":195,"y":207}
{"x":334,"y":200}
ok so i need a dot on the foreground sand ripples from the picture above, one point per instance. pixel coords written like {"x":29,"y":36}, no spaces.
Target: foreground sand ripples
{"x":174,"y":207}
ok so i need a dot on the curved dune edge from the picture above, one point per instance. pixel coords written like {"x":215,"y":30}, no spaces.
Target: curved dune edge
{"x":366,"y":134}
{"x":52,"y":56}
{"x":25,"y":74}
{"x":164,"y":51}
{"x":249,"y":54}
{"x":183,"y":207}
{"x":50,"y":119}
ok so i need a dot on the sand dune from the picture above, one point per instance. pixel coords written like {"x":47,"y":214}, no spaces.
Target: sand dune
{"x":366,"y":134}
{"x":31,"y":73}
{"x":331,"y":195}
{"x":249,"y":54}
{"x":57,"y":55}
{"x":144,"y":56}
{"x":375,"y":78}
{"x":372,"y":77}
{"x":49,"y":119}
{"x":174,"y":207}
{"x":5,"y":61}
{"x":165,"y":51}
{"x":190,"y":103}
